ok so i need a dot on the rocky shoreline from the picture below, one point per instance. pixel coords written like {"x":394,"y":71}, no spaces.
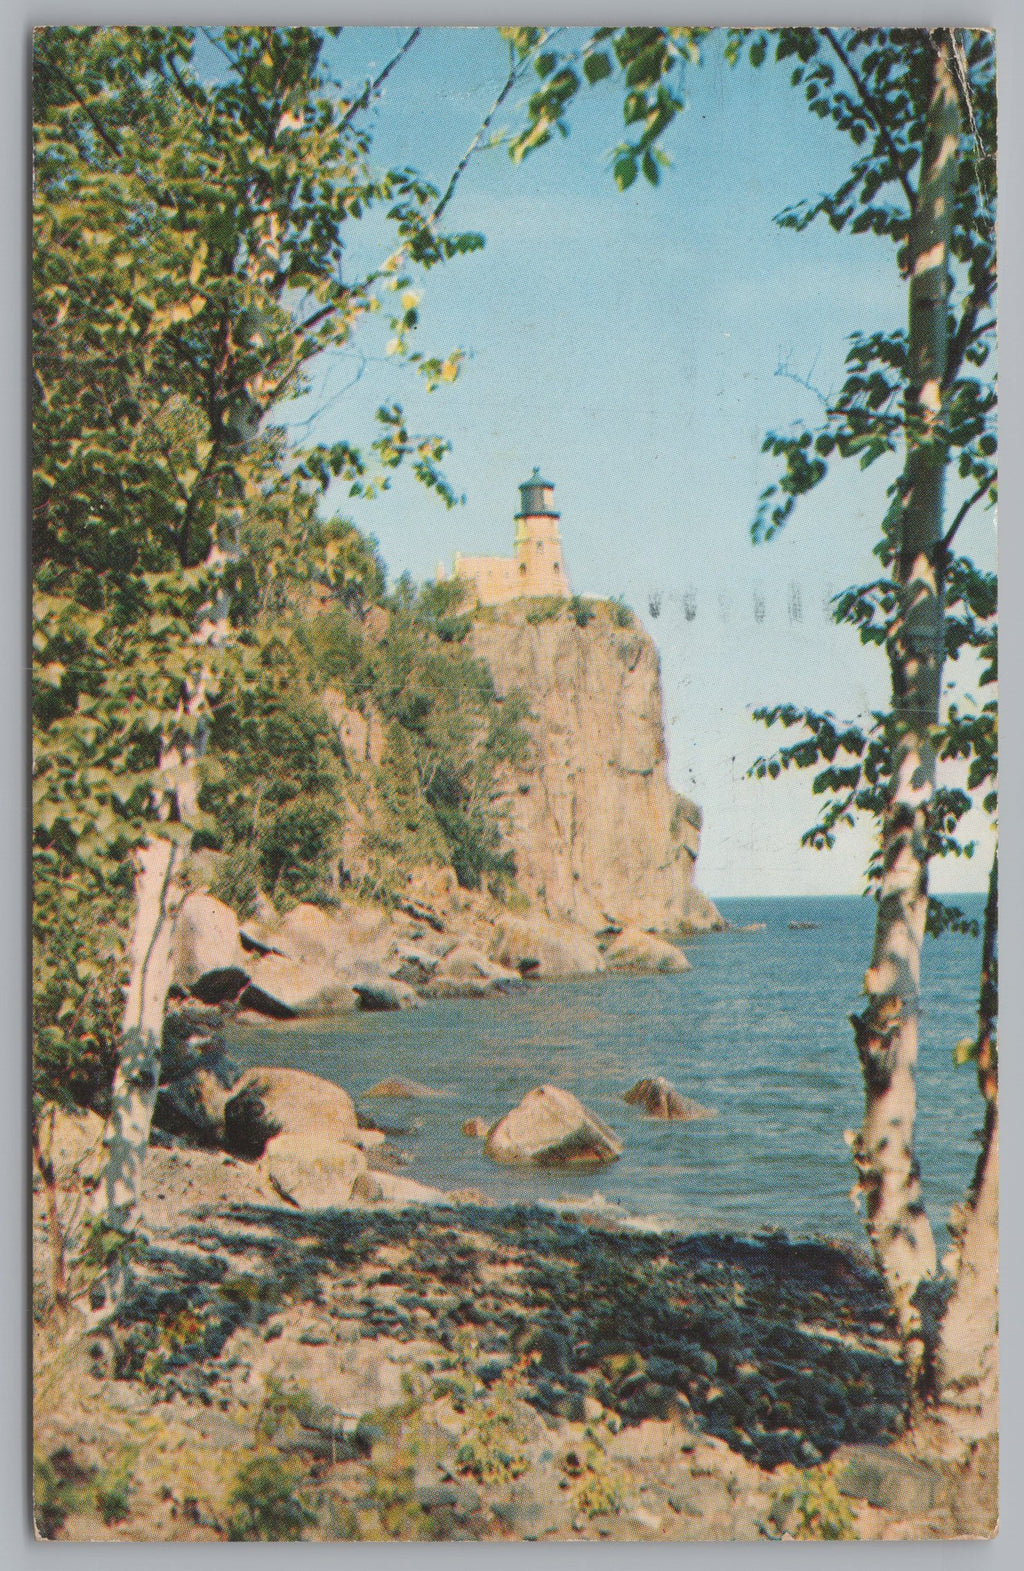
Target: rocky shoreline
{"x":387,"y":1369}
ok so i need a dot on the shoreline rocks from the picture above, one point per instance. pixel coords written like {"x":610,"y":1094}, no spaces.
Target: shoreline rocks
{"x":634,"y":950}
{"x":269,"y":1102}
{"x":551,"y":1128}
{"x":658,"y":1098}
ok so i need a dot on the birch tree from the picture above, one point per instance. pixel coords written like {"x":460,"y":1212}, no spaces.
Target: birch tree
{"x":919,"y":109}
{"x":190,"y":231}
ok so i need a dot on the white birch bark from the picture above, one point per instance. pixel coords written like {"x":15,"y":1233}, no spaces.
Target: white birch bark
{"x":158,"y":894}
{"x":887,"y":1031}
{"x":138,"y":1071}
{"x":967,"y":1352}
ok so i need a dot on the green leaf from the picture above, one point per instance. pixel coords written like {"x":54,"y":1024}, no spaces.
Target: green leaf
{"x":596,"y":67}
{"x":624,"y":170}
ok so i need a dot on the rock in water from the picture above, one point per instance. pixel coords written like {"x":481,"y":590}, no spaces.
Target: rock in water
{"x":552,"y":1128}
{"x":384,"y":992}
{"x":270,"y":1102}
{"x":405,"y":1090}
{"x":535,"y":945}
{"x":635,"y":950}
{"x":465,"y":973}
{"x":209,"y":961}
{"x":659,"y":1098}
{"x":284,"y":989}
{"x":476,"y":1128}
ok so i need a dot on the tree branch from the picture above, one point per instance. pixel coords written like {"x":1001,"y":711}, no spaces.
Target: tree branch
{"x":373,"y":87}
{"x":873,"y":110}
{"x":513,"y":76}
{"x":104,"y":135}
{"x":948,"y":537}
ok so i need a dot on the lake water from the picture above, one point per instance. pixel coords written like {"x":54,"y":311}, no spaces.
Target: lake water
{"x":757,"y":1029}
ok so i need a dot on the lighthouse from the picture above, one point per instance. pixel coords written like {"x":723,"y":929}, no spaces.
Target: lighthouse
{"x":537,"y":568}
{"x":539,"y":565}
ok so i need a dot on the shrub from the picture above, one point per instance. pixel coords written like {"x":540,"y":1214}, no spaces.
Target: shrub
{"x":265,"y":1503}
{"x":544,"y":609}
{"x":113,"y":1491}
{"x":622,"y":616}
{"x":581,"y":611}
{"x":812,"y":1502}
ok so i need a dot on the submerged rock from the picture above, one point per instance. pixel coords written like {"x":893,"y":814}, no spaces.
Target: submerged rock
{"x":660,"y":1099}
{"x":551,"y":1127}
{"x":405,"y":1090}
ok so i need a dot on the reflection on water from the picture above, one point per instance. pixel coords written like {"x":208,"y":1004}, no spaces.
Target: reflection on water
{"x":756,"y":1029}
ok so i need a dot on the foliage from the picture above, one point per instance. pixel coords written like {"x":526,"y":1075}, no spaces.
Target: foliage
{"x":58,"y":1489}
{"x":596,"y":1486}
{"x":812,"y":1504}
{"x":544,"y":608}
{"x":194,"y":198}
{"x":866,"y":420}
{"x":113,"y":1494}
{"x":272,"y":778}
{"x":265,"y":1503}
{"x":581,"y":611}
{"x":492,"y":1447}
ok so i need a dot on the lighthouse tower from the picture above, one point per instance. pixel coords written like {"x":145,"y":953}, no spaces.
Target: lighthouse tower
{"x":536,"y":568}
{"x":540,"y":569}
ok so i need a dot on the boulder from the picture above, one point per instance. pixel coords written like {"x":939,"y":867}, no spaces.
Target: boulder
{"x":414,"y":963}
{"x":311,"y":1170}
{"x":315,"y":937}
{"x":660,"y":1099}
{"x":552,"y":1128}
{"x":73,"y":1143}
{"x":192,"y":1038}
{"x":208,"y":958}
{"x":466,"y":973}
{"x":384,"y":992}
{"x":269,"y":1102}
{"x":389,"y":1189}
{"x":395,"y":1086}
{"x":285,"y":989}
{"x":369,"y":1139}
{"x":193,"y":1106}
{"x":634,"y":950}
{"x":476,"y":1128}
{"x":887,"y":1479}
{"x":537,"y":946}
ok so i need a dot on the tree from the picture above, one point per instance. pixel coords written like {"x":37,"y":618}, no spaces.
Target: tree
{"x":919,"y":108}
{"x":190,"y":233}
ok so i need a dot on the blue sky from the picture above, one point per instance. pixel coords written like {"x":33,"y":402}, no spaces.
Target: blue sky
{"x":636,"y":347}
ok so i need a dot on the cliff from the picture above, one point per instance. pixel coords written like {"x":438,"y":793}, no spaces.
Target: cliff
{"x":598,"y":833}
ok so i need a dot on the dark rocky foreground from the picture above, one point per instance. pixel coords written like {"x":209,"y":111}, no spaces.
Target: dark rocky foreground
{"x":478,"y":1371}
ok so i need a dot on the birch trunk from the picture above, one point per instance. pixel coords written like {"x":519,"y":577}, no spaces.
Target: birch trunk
{"x":887,"y":1031}
{"x":138,"y":1072}
{"x":158,"y":893}
{"x":967,"y":1353}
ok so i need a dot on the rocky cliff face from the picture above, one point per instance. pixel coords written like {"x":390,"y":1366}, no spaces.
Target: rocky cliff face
{"x":599,"y":835}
